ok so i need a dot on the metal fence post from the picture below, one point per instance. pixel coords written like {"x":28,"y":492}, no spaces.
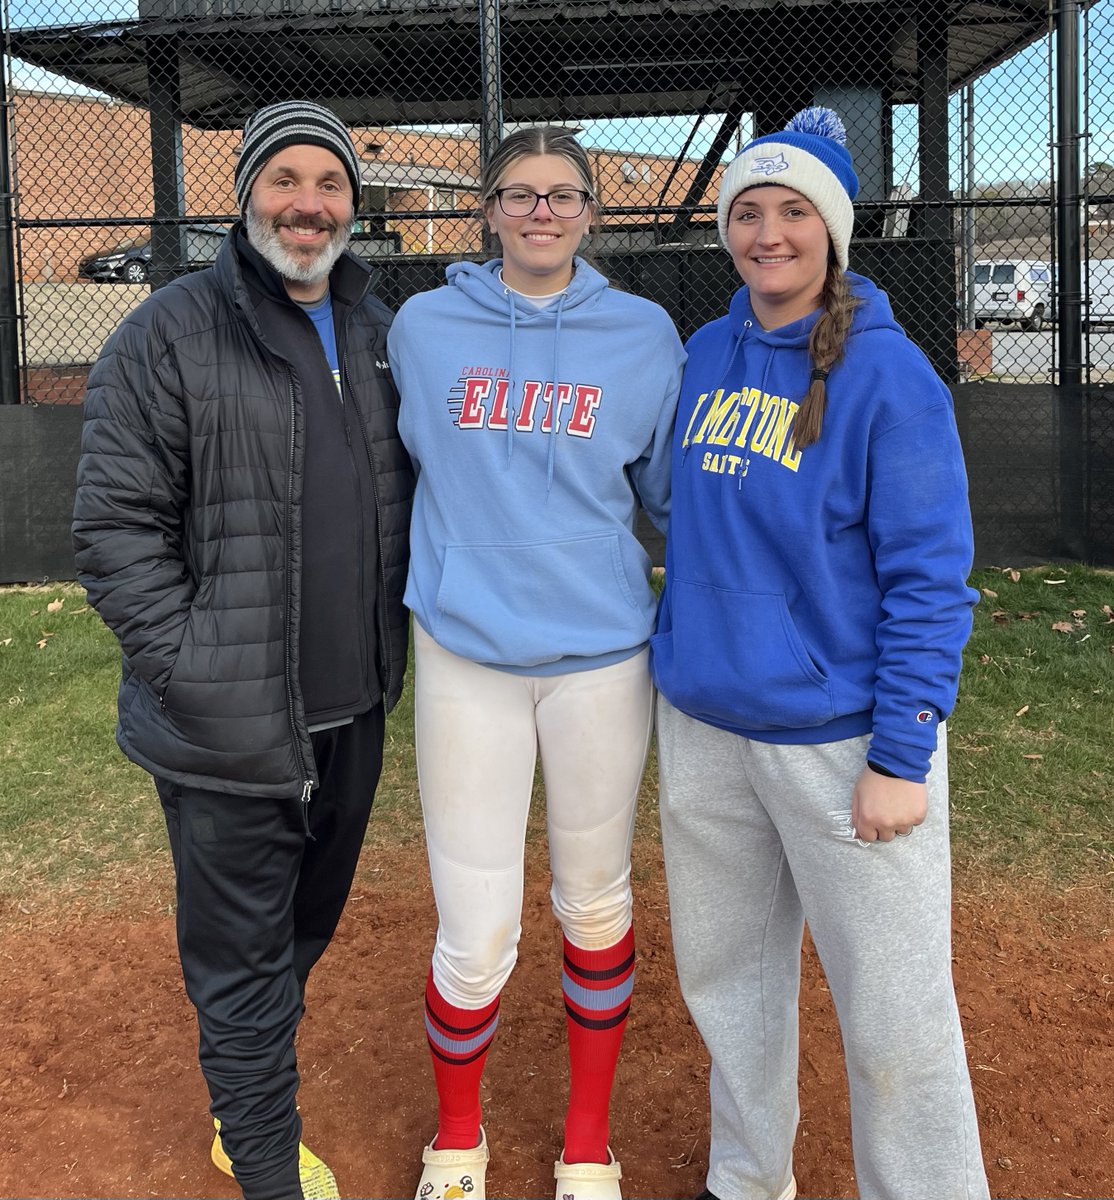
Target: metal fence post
{"x":491,"y":92}
{"x":9,"y":318}
{"x":1073,"y":532}
{"x":168,"y":175}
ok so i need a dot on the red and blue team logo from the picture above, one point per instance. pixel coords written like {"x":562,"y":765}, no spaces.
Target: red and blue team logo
{"x":924,"y":716}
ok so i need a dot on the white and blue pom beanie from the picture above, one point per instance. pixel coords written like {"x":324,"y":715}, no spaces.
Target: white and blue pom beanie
{"x":293,"y":123}
{"x":810,"y":156}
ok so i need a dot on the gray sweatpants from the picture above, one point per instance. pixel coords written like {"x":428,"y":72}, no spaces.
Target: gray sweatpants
{"x":758,"y":839}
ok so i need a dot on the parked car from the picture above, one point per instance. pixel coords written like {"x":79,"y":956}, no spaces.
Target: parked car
{"x":1013,"y":292}
{"x":128,"y":261}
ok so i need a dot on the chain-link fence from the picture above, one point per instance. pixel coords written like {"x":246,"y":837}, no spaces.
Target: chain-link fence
{"x":987,"y":184}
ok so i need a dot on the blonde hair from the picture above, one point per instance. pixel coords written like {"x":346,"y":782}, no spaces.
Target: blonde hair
{"x":826,"y":345}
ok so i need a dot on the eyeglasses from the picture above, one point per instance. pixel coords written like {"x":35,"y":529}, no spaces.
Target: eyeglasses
{"x":521,"y":202}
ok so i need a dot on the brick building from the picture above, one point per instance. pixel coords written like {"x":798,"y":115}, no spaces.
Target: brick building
{"x":88,"y":159}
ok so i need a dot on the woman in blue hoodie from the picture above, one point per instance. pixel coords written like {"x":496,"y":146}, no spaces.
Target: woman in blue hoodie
{"x":538,"y":405}
{"x":807,"y":653}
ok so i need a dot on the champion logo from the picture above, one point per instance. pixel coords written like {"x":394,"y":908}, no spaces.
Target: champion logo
{"x":924,"y":716}
{"x":769,"y":166}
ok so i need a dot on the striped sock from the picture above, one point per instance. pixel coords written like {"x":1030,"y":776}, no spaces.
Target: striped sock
{"x":459,"y":1039}
{"x":597,"y":986}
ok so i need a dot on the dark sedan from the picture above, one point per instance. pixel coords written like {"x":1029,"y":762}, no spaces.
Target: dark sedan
{"x":129,"y":261}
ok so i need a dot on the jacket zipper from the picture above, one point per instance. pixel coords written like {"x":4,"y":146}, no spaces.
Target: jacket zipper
{"x":381,"y":598}
{"x":287,"y":651}
{"x":345,"y":417}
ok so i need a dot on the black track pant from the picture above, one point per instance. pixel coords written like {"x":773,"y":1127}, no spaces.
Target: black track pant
{"x":258,"y":902}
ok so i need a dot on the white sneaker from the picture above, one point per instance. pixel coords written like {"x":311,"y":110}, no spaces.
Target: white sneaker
{"x":588,"y":1181}
{"x":454,"y":1174}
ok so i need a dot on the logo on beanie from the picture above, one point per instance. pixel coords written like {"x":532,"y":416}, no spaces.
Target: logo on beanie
{"x":769,"y":166}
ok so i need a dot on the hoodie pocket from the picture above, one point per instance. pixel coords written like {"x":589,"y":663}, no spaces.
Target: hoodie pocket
{"x":527,"y":603}
{"x":737,"y":659}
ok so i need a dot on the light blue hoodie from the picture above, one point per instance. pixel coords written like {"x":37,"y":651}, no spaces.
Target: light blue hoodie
{"x":523,"y":553}
{"x":820,"y":594}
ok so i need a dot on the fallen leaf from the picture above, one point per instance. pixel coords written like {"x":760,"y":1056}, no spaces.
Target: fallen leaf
{"x":999,"y":617}
{"x":988,"y":592}
{"x":1022,"y":711}
{"x":1032,"y":756}
{"x":1055,"y":581}
{"x":55,"y":605}
{"x":1078,"y":612}
{"x":1026,"y":616}
{"x":983,"y":658}
{"x":1063,"y":626}
{"x":6,"y":642}
{"x":1015,"y":576}
{"x":43,"y":640}
{"x":1109,"y":614}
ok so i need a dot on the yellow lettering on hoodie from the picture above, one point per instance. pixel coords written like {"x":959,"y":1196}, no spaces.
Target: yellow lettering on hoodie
{"x":692,"y":420}
{"x":792,"y":456}
{"x":769,"y":411}
{"x":775,"y":442}
{"x":751,"y":401}
{"x":722,"y":406}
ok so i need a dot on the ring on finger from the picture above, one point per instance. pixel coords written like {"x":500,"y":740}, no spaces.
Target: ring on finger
{"x":905,"y":832}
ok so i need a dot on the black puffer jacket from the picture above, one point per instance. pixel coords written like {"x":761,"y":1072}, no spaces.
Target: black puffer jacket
{"x":187,"y":528}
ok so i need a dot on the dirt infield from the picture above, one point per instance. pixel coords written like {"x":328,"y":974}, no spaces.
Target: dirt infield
{"x":100,"y":1094}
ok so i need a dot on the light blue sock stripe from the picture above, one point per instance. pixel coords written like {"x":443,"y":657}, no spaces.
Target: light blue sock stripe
{"x":453,"y":1045}
{"x":597,"y":1000}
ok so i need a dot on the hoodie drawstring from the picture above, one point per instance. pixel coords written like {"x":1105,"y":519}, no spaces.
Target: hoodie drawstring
{"x":765,"y":378}
{"x":512,"y":391}
{"x":722,"y":379}
{"x":551,"y":459}
{"x":555,"y":393}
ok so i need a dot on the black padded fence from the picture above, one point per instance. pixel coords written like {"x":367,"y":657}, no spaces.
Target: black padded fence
{"x":982,"y":133}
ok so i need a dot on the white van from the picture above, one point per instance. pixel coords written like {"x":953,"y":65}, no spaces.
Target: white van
{"x":1013,"y":292}
{"x":1098,"y":282}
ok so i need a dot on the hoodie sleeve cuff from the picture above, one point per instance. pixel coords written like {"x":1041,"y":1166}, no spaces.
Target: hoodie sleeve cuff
{"x":898,"y":759}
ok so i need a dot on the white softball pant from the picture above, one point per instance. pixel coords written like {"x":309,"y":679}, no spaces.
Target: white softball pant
{"x":478,"y":731}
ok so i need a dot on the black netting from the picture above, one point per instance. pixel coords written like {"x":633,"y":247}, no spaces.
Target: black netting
{"x":123,"y":126}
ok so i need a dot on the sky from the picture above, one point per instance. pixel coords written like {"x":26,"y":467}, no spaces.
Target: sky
{"x":1011,"y":104}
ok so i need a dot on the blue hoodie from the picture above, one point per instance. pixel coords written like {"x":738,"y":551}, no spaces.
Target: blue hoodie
{"x":820,"y":594}
{"x":523,"y":553}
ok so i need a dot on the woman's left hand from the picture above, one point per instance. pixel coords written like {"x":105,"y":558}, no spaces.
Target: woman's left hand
{"x":883,"y":808}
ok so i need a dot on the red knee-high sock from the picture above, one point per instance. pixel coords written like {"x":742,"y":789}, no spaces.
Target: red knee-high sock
{"x":597,"y":986}
{"x":459,"y":1039}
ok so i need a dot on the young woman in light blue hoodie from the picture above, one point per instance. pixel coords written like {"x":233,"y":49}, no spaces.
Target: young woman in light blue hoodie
{"x":538,"y":406}
{"x":807,"y":654}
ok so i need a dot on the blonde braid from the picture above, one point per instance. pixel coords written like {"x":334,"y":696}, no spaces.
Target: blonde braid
{"x":826,"y":344}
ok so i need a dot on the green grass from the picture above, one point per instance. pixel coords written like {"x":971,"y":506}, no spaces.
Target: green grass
{"x":71,"y":807}
{"x":1030,"y":745}
{"x":1031,"y":736}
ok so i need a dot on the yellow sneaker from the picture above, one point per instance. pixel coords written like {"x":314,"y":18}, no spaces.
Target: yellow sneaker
{"x":318,"y":1182}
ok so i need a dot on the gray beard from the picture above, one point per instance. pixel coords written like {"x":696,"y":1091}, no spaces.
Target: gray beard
{"x":305,"y":267}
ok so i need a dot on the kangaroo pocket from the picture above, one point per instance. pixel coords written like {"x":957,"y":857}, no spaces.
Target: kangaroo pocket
{"x":526,"y":603}
{"x":738,"y":660}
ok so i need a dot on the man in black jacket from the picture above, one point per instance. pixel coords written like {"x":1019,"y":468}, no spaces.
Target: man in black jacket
{"x":241,"y":525}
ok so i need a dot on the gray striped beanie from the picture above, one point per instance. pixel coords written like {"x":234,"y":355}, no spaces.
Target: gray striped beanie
{"x":292,"y":123}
